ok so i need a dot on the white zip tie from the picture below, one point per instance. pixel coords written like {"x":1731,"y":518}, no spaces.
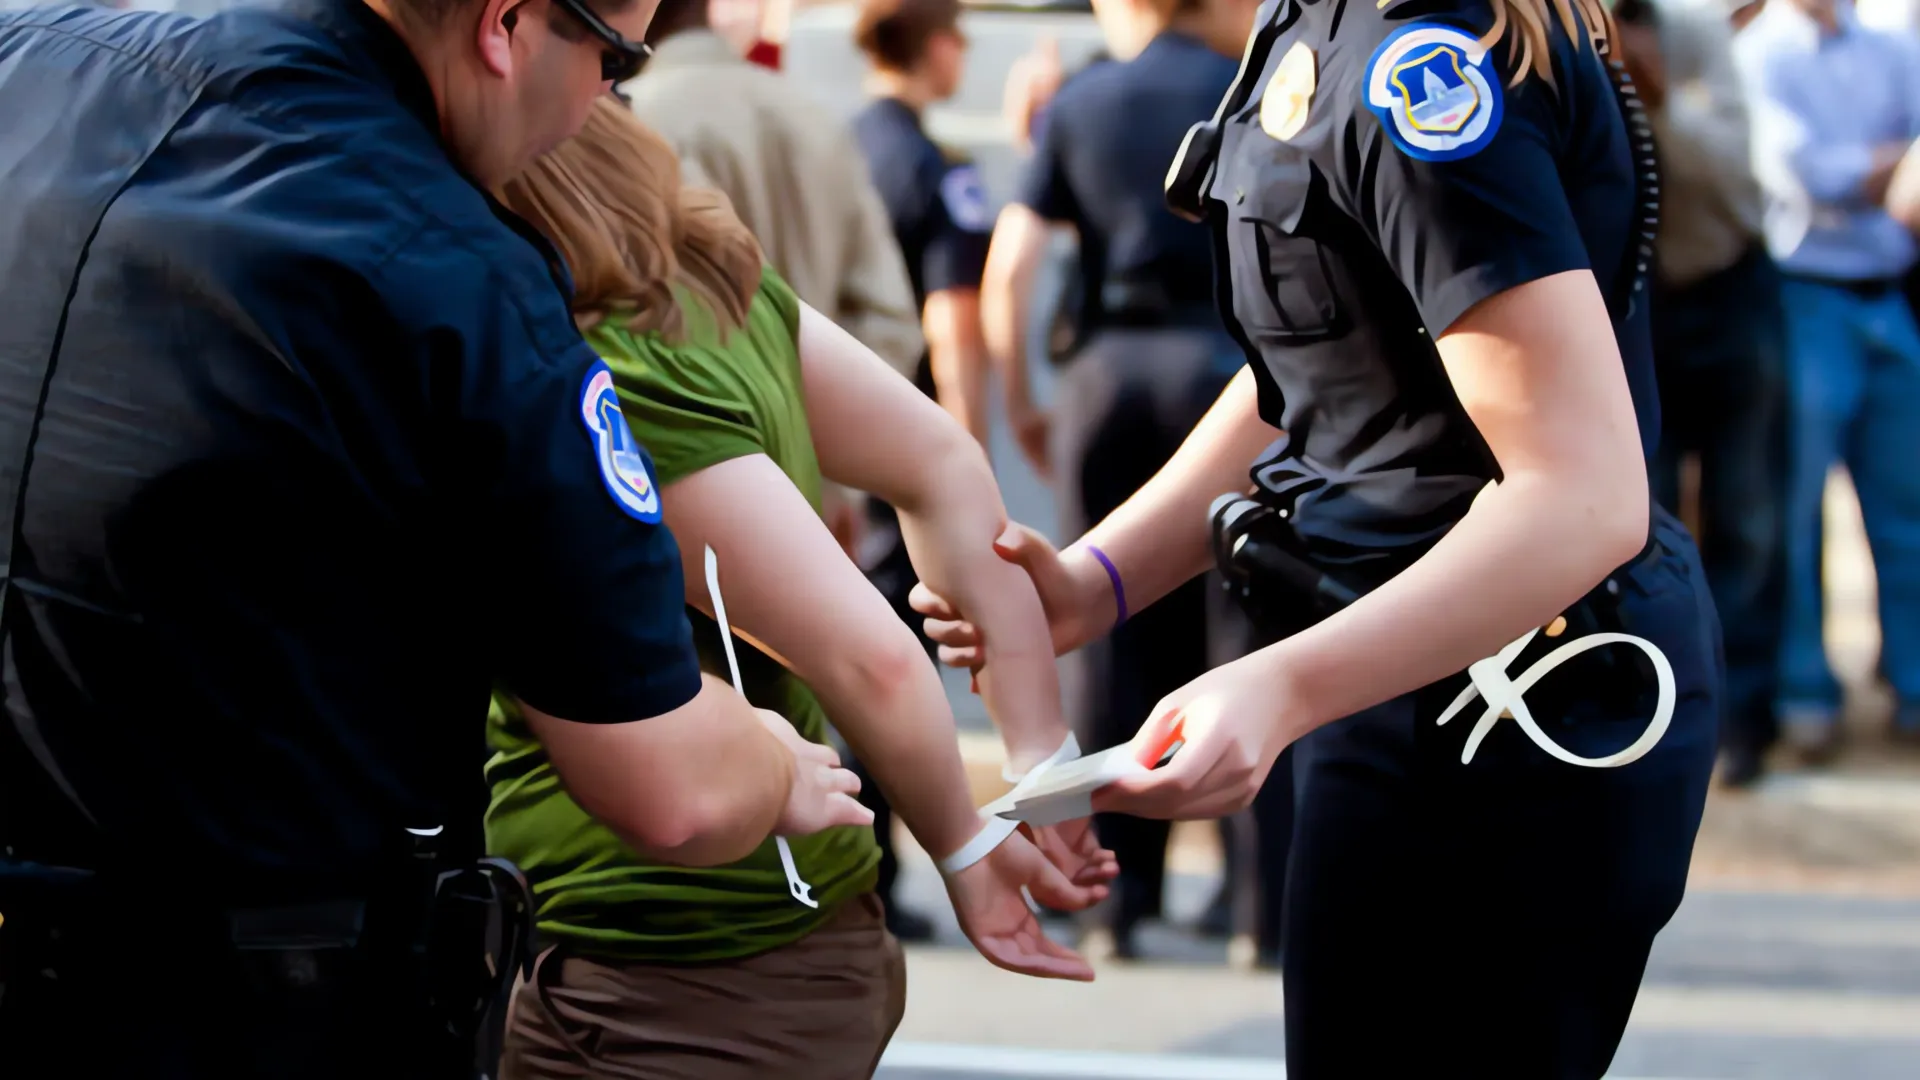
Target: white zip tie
{"x":800,"y":890}
{"x":997,"y":828}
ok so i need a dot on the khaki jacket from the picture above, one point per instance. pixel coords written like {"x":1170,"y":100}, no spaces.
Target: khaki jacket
{"x":796,"y":178}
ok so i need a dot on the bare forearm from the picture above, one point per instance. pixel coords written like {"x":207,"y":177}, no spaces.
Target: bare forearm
{"x":1903,"y":191}
{"x":703,"y":785}
{"x":950,"y":538}
{"x":1526,"y":552}
{"x":1160,"y":538}
{"x":895,"y":717}
{"x":960,"y":382}
{"x":1006,"y":291}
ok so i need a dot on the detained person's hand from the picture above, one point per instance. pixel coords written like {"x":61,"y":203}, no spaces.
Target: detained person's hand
{"x":996,"y":919}
{"x":1073,"y":589}
{"x":1231,"y":724}
{"x":1074,"y":849}
{"x":823,"y":793}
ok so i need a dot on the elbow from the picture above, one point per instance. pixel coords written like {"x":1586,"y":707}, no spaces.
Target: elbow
{"x":693,"y":832}
{"x":882,"y":671}
{"x":1617,"y":518}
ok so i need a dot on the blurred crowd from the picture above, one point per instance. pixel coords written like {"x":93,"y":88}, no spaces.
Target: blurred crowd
{"x":1785,"y":314}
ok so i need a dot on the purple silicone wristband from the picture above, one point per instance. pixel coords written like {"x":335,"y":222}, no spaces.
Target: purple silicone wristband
{"x":1113,"y":575}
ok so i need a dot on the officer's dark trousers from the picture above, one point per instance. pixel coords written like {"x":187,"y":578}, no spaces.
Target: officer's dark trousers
{"x":1492,"y":919}
{"x":137,"y":991}
{"x":1122,"y":407}
{"x":1720,"y":350}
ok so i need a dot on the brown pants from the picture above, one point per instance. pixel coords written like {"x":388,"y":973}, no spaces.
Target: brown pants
{"x":822,"y":1008}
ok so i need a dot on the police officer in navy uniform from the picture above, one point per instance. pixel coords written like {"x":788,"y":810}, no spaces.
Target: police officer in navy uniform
{"x":1432,"y":221}
{"x":291,"y":412}
{"x":942,"y":218}
{"x":1151,"y":357}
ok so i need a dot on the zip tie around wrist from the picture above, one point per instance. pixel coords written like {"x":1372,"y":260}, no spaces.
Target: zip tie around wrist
{"x":996,"y":829}
{"x":796,"y":885}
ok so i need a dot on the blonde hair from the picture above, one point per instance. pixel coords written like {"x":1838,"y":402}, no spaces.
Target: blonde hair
{"x":1525,"y":25}
{"x":611,"y":200}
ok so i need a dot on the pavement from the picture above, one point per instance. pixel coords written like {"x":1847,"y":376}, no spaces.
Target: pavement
{"x":1795,"y":956}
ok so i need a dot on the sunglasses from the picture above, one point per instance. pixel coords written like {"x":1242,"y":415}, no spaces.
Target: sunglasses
{"x":620,"y":59}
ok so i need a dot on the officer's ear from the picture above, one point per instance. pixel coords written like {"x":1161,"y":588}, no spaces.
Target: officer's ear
{"x":499,"y":21}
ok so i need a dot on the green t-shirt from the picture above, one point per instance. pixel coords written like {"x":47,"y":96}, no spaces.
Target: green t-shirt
{"x":695,"y":404}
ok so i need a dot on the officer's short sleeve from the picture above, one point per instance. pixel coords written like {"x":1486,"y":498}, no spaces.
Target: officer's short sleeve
{"x":1043,"y":184}
{"x":585,"y":576}
{"x":959,"y":226}
{"x":1455,"y":173}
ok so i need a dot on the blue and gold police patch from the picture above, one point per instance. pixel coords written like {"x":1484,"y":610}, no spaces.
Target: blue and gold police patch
{"x":1436,"y":91}
{"x":623,"y":466}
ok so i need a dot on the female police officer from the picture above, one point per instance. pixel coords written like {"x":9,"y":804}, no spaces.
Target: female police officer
{"x":1428,"y":219}
{"x":1152,"y":356}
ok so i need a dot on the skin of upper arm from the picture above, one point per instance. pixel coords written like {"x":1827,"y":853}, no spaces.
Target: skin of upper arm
{"x":854,"y":403}
{"x":632,"y":776}
{"x":800,"y":599}
{"x":1538,"y":372}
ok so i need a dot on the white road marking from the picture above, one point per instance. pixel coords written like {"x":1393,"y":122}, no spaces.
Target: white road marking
{"x":1091,"y":1064}
{"x":1078,"y":1064}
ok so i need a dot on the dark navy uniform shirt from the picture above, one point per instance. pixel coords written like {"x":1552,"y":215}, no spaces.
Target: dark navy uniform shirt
{"x":1101,"y":159}
{"x":1377,"y":178}
{"x":300,"y":454}
{"x":939,"y":207}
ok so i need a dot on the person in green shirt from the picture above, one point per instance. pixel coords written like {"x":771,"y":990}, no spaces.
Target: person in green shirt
{"x":745,"y":397}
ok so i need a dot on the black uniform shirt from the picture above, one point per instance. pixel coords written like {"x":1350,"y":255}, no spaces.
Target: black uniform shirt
{"x":300,"y":453}
{"x":939,"y":208}
{"x":1414,"y":183}
{"x":1102,"y":156}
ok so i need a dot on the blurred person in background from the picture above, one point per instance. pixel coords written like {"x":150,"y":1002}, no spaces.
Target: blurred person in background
{"x":934,"y":196}
{"x":938,"y":210}
{"x":1719,"y":346}
{"x":748,"y":397}
{"x":1835,"y":107}
{"x":795,"y":176}
{"x":1153,"y":357}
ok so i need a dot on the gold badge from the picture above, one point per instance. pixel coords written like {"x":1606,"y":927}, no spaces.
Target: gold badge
{"x":1283,"y":107}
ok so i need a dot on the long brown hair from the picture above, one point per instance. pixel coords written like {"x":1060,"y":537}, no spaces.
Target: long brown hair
{"x":611,"y":200}
{"x":1525,"y":25}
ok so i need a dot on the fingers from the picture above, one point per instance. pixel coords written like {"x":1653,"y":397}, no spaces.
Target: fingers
{"x":1030,"y":952}
{"x":813,"y":753}
{"x":953,"y":634}
{"x":929,"y":603}
{"x":835,"y":779}
{"x":1166,"y":791}
{"x":844,"y":809}
{"x":1051,"y":888}
{"x":1022,"y":546}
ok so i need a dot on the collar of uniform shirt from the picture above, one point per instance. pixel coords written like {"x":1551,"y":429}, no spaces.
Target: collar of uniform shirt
{"x":361,"y":28}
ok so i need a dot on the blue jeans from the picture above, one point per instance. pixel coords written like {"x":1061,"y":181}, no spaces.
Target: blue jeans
{"x":1720,"y":351}
{"x":1854,"y":374}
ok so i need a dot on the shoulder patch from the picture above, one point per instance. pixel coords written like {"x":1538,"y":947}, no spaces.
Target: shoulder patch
{"x":1436,"y":91}
{"x":622,"y":464}
{"x":965,"y":198}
